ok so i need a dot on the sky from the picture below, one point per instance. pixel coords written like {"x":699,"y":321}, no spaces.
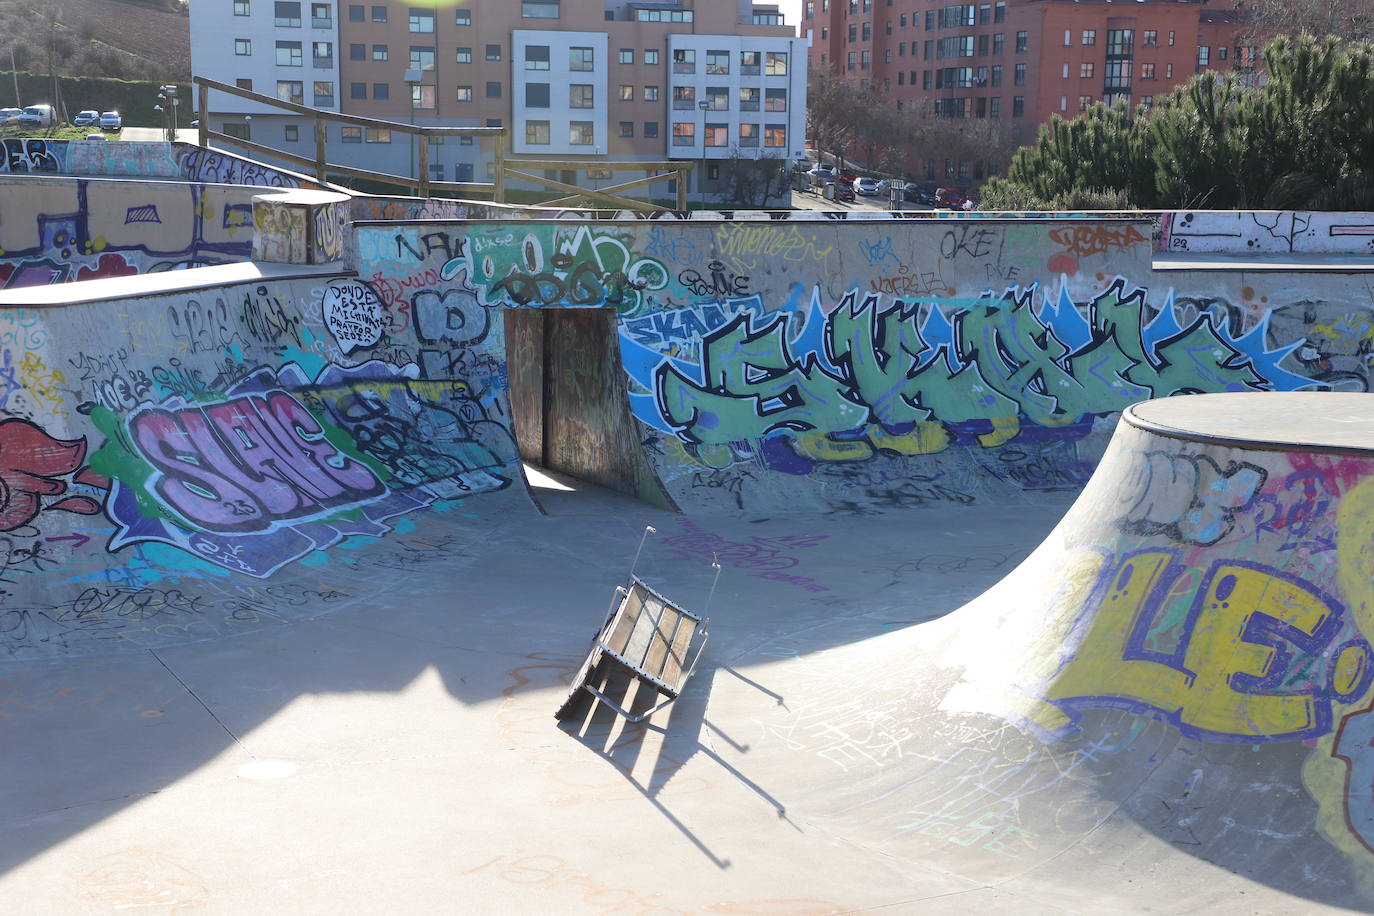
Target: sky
{"x":792,"y":14}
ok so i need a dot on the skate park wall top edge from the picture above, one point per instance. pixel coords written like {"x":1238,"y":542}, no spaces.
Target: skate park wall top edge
{"x":779,"y":365}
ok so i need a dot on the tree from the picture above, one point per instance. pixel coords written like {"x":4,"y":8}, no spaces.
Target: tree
{"x":830,"y":105}
{"x":1305,"y":139}
{"x":1347,"y":20}
{"x":753,"y":181}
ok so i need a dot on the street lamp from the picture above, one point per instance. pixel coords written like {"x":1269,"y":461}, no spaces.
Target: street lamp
{"x":704,"y":106}
{"x":168,"y":95}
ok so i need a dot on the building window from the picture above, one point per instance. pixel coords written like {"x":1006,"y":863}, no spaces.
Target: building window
{"x":357,"y":90}
{"x":1085,"y":70}
{"x":581,"y":96}
{"x":627,"y":93}
{"x":421,"y":58}
{"x":1150,"y":38}
{"x":996,"y":75}
{"x":379,"y":14}
{"x":868,"y":31}
{"x":493,"y":52}
{"x":322,"y":53}
{"x":464,"y":56}
{"x":775,"y":100}
{"x":291,"y":91}
{"x":240,"y":131}
{"x":351,"y":134}
{"x":241,"y":9}
{"x":1204,"y":56}
{"x":684,"y":60}
{"x":581,"y":59}
{"x":465,"y":93}
{"x":642,"y":15}
{"x":627,"y":128}
{"x":381,"y":52}
{"x":749,"y":63}
{"x":422,"y":98}
{"x":651,"y":129}
{"x":650,"y":57}
{"x":775,"y":63}
{"x":1084,"y":102}
{"x":381,"y":91}
{"x":243,"y":46}
{"x":580,"y":133}
{"x":717,"y":98}
{"x":1221,"y":52}
{"x":651,"y":93}
{"x":748,"y":99}
{"x":539,"y":9}
{"x":289,"y":54}
{"x":999,"y":12}
{"x":1089,"y":36}
{"x":1169,"y":71}
{"x":1172,"y":38}
{"x":462,"y":17}
{"x":1018,"y":106}
{"x":1068,"y":37}
{"x":1147,"y":71}
{"x":684,"y":98}
{"x":775,"y":135}
{"x":493,"y":90}
{"x":627,"y":55}
{"x":357,"y":52}
{"x":493,"y":122}
{"x":716,"y":135}
{"x":1120,"y":42}
{"x":377,"y":135}
{"x":323,"y":93}
{"x":1022,"y":42}
{"x":291,"y":133}
{"x":421,"y":20}
{"x":748,"y":135}
{"x":1019,"y":75}
{"x":997,"y":42}
{"x":995,"y":107}
{"x":717,"y":62}
{"x":287,"y":15}
{"x":537,"y":57}
{"x":865,"y":60}
{"x":537,"y":133}
{"x":684,"y":134}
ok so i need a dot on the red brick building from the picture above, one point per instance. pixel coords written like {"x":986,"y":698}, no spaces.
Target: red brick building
{"x":1019,"y":61}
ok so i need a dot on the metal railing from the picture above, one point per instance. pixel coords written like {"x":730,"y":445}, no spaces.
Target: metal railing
{"x":319,"y":165}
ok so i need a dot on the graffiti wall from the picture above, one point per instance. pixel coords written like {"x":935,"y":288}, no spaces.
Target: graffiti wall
{"x":847,"y":365}
{"x":141,"y":159}
{"x":1249,"y":232}
{"x":85,"y":229}
{"x":162,"y":457}
{"x":1201,"y":620}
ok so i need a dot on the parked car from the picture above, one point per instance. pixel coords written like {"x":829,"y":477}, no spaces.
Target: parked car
{"x":953,"y":198}
{"x":866,"y":187}
{"x":96,"y":137}
{"x":111,"y":121}
{"x":10,"y":116}
{"x":843,"y":191}
{"x":86,"y":119}
{"x":846,"y":176}
{"x":38,"y":116}
{"x":919,"y":193}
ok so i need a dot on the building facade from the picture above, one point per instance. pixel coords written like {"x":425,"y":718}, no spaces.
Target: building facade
{"x":1017,"y":62}
{"x":701,"y":80}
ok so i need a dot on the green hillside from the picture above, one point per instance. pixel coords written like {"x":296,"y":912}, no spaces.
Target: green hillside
{"x":122,"y":39}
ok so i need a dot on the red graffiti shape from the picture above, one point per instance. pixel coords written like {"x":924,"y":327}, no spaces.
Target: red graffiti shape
{"x":30,"y":462}
{"x":109,"y":265}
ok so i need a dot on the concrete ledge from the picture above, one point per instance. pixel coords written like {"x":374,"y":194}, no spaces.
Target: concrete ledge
{"x":1290,"y":263}
{"x":170,"y":281}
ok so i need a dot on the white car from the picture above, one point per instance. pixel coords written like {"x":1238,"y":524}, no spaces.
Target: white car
{"x":86,"y":119}
{"x":111,"y":120}
{"x":10,"y":115}
{"x":866,"y":186}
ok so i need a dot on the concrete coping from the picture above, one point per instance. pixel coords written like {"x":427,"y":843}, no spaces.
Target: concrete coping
{"x":1300,"y":262}
{"x":168,"y":281}
{"x":1311,"y":421}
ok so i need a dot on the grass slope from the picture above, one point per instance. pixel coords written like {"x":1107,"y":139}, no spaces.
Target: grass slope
{"x":123,"y":39}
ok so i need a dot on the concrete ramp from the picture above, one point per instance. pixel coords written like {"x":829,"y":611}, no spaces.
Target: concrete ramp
{"x":1173,"y":691}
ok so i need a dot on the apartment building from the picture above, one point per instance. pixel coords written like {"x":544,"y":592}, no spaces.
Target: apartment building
{"x":575,"y":79}
{"x":1019,"y":61}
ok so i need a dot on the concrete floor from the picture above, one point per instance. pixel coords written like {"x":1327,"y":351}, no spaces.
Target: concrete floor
{"x":397,"y":752}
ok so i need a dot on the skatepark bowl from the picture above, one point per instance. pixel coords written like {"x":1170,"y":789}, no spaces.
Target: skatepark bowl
{"x":1046,"y":553}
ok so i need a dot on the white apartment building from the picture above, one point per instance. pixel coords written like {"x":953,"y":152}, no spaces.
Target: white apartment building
{"x":571,"y":79}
